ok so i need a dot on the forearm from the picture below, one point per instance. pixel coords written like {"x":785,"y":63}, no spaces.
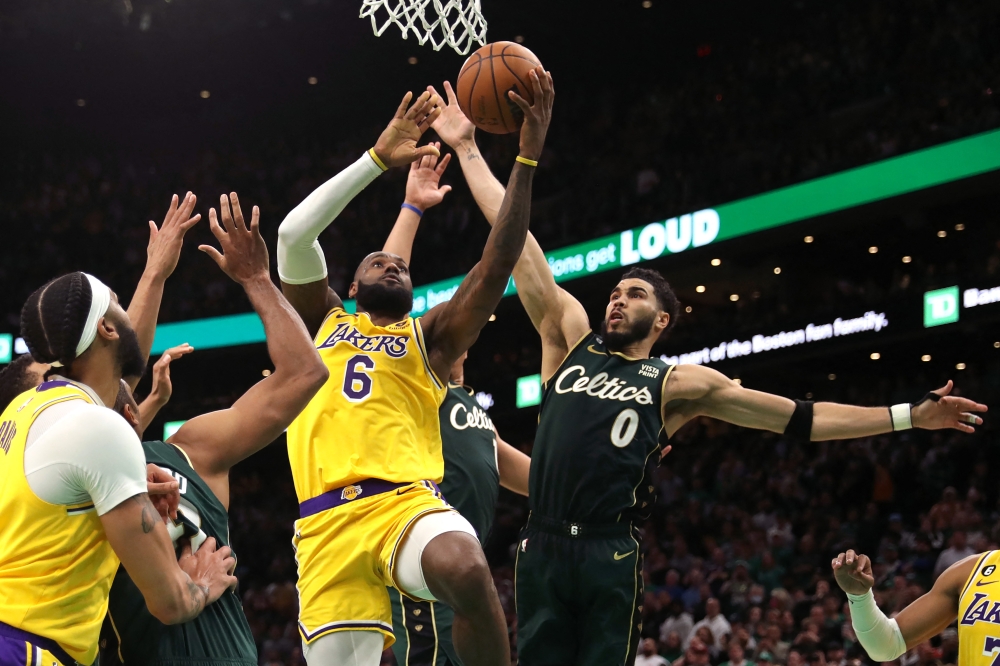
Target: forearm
{"x":288,"y":342}
{"x":143,"y":311}
{"x":486,"y":189}
{"x":506,"y":239}
{"x":400,"y":240}
{"x":300,"y":258}
{"x":187,"y":600}
{"x":148,"y":410}
{"x":836,"y":421}
{"x":514,"y":468}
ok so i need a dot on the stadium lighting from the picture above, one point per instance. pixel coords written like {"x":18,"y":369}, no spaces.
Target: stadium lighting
{"x":996,"y":345}
{"x":265,"y":372}
{"x":688,"y":310}
{"x":734,"y":297}
{"x":959,"y":227}
{"x":205,"y":94}
{"x":925,"y":358}
{"x":700,"y":289}
{"x":960,"y":366}
{"x":646,"y":4}
{"x":313,"y":80}
{"x":81,"y":102}
{"x":907,"y":259}
{"x":942,"y":233}
{"x":519,"y":39}
{"x":808,"y":239}
{"x":493,"y":317}
{"x":831,"y":376}
{"x":873,"y":250}
{"x":716,"y":262}
{"x":777,"y":270}
{"x":875,"y":356}
{"x":412,"y":60}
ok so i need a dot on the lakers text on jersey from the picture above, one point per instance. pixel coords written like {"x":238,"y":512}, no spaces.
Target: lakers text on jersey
{"x":56,"y":565}
{"x":979,"y":614}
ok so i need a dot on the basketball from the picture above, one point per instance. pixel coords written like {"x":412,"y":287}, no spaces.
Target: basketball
{"x":485,"y":80}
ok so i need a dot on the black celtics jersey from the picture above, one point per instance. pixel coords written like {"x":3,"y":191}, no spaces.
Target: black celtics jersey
{"x":599,"y":432}
{"x":471,"y":481}
{"x":220,"y":635}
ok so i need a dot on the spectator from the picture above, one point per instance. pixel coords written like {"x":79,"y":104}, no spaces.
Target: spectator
{"x":714,"y":621}
{"x":678,"y":621}
{"x":736,"y":656}
{"x":648,"y":655}
{"x":672,"y":648}
{"x":957,"y":550}
{"x":696,"y":654}
{"x":779,"y":646}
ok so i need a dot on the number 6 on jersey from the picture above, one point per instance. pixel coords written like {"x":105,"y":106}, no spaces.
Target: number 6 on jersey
{"x":357,"y":383}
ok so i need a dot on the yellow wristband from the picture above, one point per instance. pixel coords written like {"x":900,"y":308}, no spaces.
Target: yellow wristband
{"x":525,"y":160}
{"x":371,"y":152}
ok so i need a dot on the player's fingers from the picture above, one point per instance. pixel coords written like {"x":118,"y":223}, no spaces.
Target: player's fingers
{"x":184,"y":211}
{"x":212,"y":252}
{"x":164,"y":361}
{"x":418,"y":107}
{"x":240,"y":224}
{"x":213,"y":224}
{"x":520,"y":101}
{"x":152,"y":231}
{"x":450,"y":93}
{"x":427,"y":150}
{"x":223,"y":552}
{"x":185,"y":549}
{"x":946,"y":389}
{"x":401,"y":111}
{"x":179,"y":350}
{"x":444,"y":190}
{"x":964,"y":427}
{"x":536,"y":85}
{"x":432,"y":117}
{"x":227,"y":213}
{"x":255,"y":221}
{"x":208,"y":546}
{"x":191,"y":222}
{"x":161,"y":488}
{"x":850,"y":557}
{"x":443,"y":164}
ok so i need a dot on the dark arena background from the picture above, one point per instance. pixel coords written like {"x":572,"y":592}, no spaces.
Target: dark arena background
{"x":838,"y":163}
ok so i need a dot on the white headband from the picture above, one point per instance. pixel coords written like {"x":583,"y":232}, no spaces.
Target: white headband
{"x":99,"y":302}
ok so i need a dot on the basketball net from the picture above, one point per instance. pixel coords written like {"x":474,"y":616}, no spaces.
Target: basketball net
{"x":457,"y":23}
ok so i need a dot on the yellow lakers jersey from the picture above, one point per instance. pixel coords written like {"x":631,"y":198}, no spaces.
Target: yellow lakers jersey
{"x":979,"y":613}
{"x":56,"y":565}
{"x":376,"y":416}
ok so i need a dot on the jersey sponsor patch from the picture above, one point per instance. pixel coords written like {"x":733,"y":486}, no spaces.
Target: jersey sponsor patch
{"x":650,"y":371}
{"x":988,"y":570}
{"x":393,"y":345}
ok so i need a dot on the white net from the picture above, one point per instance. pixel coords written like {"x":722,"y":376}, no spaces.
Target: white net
{"x":457,"y":23}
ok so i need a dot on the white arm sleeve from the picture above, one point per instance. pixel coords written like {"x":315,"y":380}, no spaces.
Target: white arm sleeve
{"x":300,"y":258}
{"x":89,"y":455}
{"x":878,"y":635}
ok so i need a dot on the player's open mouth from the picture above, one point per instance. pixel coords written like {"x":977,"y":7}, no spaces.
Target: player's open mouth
{"x":391,"y":278}
{"x":616,"y":316}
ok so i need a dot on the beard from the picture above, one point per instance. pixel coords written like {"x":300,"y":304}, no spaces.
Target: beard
{"x":618,"y":340}
{"x":381,"y":298}
{"x":129,"y":356}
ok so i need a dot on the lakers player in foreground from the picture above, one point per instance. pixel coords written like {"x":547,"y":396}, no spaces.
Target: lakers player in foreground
{"x":366,"y":452}
{"x":476,"y":460}
{"x":202,"y":452}
{"x":607,"y":410}
{"x":964,"y":592}
{"x":73,"y":489}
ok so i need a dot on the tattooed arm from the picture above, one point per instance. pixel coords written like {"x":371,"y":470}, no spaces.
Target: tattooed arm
{"x":175,"y":591}
{"x":452,"y":327}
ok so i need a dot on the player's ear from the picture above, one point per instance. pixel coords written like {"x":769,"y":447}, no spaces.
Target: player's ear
{"x":106,"y":328}
{"x":352,"y":291}
{"x":662,"y":321}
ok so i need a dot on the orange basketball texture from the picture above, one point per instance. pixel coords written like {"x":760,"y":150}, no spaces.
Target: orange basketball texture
{"x":484,"y":81}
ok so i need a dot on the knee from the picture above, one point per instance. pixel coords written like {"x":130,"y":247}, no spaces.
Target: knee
{"x":457,"y":572}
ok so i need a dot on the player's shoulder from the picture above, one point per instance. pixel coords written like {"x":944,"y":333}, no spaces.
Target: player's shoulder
{"x":960,"y":574}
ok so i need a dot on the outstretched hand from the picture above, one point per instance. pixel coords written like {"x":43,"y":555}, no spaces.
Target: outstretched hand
{"x":423,"y":185}
{"x":397,"y":145}
{"x":452,"y":125}
{"x":537,"y":116}
{"x":853,"y":572}
{"x":165,"y":242}
{"x":163,"y":388}
{"x":949,"y":411}
{"x":244,"y":253}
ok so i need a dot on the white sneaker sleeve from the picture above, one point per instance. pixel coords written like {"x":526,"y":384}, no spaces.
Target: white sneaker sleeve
{"x":878,"y":635}
{"x":300,"y":257}
{"x":89,"y":455}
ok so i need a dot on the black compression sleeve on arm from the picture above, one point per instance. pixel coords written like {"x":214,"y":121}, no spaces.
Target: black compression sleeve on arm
{"x":801,"y":423}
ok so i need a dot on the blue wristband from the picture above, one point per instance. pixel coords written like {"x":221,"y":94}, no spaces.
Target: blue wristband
{"x":416,"y":210}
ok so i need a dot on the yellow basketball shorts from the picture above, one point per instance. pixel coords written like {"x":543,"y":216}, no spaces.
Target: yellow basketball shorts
{"x":345,"y":557}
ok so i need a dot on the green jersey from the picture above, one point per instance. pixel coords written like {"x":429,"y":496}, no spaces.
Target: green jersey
{"x":220,"y":635}
{"x":600,"y":426}
{"x":471,"y":481}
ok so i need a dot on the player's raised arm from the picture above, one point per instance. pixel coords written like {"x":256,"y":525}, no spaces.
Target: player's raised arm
{"x":301,"y":263}
{"x":162,"y":254}
{"x":452,"y":327}
{"x":694,"y":390}
{"x":218,"y":440}
{"x":159,"y":396}
{"x":558,"y":317}
{"x":514,"y":467}
{"x":423,"y":191}
{"x":886,"y":639}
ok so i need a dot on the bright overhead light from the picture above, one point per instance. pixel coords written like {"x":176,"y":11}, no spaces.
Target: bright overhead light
{"x":925,"y":358}
{"x":205,"y":94}
{"x":996,"y":345}
{"x":412,"y":60}
{"x":266,"y":372}
{"x":313,"y":80}
{"x":688,"y":309}
{"x":808,"y":239}
{"x":907,"y":259}
{"x":831,"y":376}
{"x":960,"y":366}
{"x":873,"y":250}
{"x":959,"y":227}
{"x":738,"y":380}
{"x":942,"y":233}
{"x":81,"y":102}
{"x":875,"y":356}
{"x":777,"y":270}
{"x":734,"y":297}
{"x":700,"y":289}
{"x":716,"y":262}
{"x":493,"y":317}
{"x":646,"y":4}
{"x":519,"y":39}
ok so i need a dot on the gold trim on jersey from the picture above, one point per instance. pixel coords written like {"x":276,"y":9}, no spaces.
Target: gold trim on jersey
{"x":418,"y":334}
{"x":975,"y":572}
{"x":117,"y":635}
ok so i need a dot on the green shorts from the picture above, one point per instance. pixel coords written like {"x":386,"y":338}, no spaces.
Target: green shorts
{"x":423,"y":632}
{"x":579,"y":593}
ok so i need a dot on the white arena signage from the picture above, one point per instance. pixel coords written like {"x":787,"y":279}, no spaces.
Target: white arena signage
{"x":870,"y":321}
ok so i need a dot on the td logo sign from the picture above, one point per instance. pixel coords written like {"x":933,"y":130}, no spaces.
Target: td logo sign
{"x":940,"y":307}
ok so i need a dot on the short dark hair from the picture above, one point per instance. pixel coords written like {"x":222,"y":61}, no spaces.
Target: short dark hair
{"x":665,"y":296}
{"x":53,"y":318}
{"x":15,"y":379}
